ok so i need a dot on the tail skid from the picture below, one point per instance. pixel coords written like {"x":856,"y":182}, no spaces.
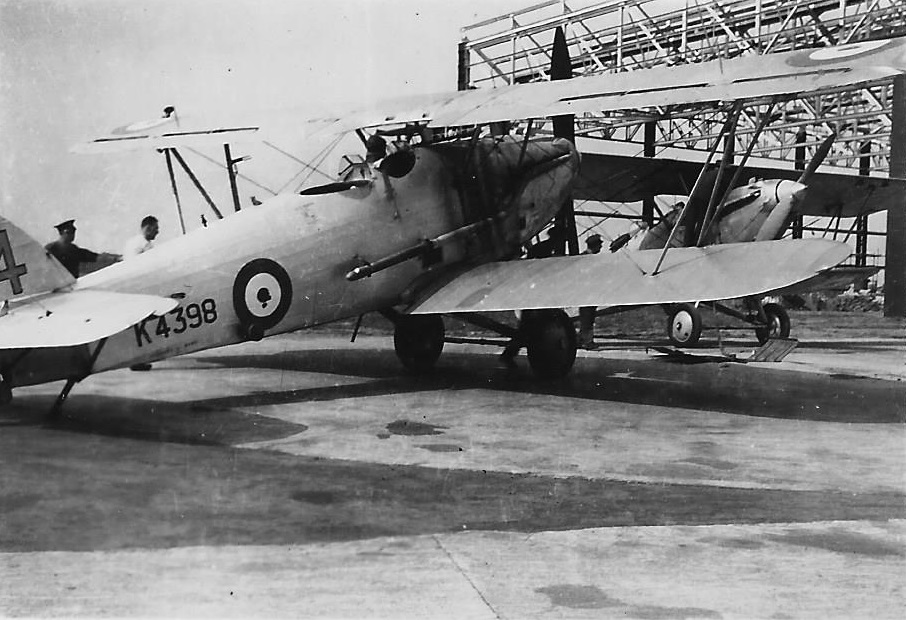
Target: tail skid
{"x":26,"y":268}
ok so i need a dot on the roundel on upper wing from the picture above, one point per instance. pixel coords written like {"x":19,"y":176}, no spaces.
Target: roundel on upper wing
{"x":262,"y":293}
{"x":143,"y":125}
{"x":825,"y":55}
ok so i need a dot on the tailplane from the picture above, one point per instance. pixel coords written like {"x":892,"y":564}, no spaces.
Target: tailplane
{"x":26,"y":267}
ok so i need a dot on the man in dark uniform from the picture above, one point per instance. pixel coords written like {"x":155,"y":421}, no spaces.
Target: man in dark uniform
{"x":593,"y":245}
{"x":69,"y":254}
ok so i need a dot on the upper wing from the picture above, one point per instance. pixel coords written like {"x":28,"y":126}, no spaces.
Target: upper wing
{"x":710,"y":273}
{"x":75,"y":317}
{"x":748,"y":77}
{"x":624,"y":178}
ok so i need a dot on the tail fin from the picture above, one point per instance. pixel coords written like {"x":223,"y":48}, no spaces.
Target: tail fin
{"x":26,"y":267}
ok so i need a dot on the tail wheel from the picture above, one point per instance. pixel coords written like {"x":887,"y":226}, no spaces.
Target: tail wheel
{"x":418,"y":340}
{"x":550,"y":342}
{"x":778,"y":324}
{"x":684,"y":325}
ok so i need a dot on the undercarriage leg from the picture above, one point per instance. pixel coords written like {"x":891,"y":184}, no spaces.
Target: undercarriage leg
{"x":57,"y":408}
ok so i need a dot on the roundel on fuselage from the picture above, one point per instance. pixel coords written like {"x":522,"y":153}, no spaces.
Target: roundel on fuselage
{"x":262,"y":293}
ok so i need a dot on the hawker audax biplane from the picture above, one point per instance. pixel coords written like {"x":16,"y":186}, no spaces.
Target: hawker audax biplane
{"x":719,"y":210}
{"x":426,"y":229}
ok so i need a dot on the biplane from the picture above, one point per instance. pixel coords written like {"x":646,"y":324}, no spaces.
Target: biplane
{"x":428,"y":225}
{"x":763,"y":208}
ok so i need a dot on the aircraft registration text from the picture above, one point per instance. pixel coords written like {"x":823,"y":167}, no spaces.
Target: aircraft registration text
{"x":183,"y":319}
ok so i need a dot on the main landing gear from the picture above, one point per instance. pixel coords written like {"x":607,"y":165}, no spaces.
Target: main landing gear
{"x":684,"y":321}
{"x":550,"y":341}
{"x":548,"y":336}
{"x":684,"y":325}
{"x":418,"y":340}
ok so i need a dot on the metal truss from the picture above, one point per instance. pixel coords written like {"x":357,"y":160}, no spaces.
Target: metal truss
{"x":610,"y":36}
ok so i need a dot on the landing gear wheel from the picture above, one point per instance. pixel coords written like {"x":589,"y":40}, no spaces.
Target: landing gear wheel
{"x":550,"y":342}
{"x":684,"y":325}
{"x":778,"y":324}
{"x":418,"y":340}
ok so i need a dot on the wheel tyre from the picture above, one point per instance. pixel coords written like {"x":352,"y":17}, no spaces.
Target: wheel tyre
{"x":778,"y":324}
{"x":418,"y":340}
{"x":684,"y":325}
{"x":551,"y":342}
{"x":6,"y":393}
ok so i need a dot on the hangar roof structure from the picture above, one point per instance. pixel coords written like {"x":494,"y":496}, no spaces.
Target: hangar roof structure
{"x":610,"y":36}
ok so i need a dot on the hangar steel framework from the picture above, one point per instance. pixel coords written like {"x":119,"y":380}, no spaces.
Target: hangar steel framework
{"x":609,"y":36}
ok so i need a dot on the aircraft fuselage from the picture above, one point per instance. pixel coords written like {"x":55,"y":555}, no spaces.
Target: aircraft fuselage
{"x":282,"y":265}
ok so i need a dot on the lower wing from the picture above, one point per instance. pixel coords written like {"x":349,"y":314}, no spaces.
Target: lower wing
{"x":710,"y":273}
{"x":73,"y":318}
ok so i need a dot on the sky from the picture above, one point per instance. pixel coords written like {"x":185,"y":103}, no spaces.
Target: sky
{"x":71,"y":70}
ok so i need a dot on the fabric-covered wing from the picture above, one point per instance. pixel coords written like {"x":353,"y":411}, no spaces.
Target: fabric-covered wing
{"x":624,"y":178}
{"x":687,"y":275}
{"x":748,"y":77}
{"x":76,"y":317}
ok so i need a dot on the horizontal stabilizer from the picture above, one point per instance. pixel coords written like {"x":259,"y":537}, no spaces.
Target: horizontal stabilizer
{"x":710,"y":273}
{"x":26,"y":268}
{"x":75,"y":317}
{"x":836,"y":279}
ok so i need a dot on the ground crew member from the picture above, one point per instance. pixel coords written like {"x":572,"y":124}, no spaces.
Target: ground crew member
{"x":593,"y":245}
{"x":69,"y":254}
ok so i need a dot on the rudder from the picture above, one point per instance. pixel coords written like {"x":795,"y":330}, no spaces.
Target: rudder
{"x":26,"y":267}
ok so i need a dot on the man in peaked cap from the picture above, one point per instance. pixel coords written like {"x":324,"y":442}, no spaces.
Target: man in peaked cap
{"x":69,"y":254}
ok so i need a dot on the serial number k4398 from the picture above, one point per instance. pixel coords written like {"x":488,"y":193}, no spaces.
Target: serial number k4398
{"x":181,"y":320}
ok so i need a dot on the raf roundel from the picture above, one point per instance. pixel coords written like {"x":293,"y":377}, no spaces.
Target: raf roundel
{"x":818,"y":57}
{"x":262,"y":293}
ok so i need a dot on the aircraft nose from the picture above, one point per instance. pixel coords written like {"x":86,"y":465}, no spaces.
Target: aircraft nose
{"x":540,"y":156}
{"x":791,"y":191}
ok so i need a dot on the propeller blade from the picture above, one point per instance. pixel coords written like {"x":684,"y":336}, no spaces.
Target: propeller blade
{"x":564,"y":127}
{"x":818,"y":159}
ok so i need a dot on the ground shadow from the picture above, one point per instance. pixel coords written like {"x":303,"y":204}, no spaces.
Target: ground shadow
{"x":715,"y":385}
{"x":76,"y":492}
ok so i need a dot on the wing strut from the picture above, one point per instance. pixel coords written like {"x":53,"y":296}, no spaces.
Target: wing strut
{"x":182,"y":223}
{"x":698,"y":182}
{"x":730,"y":138}
{"x":762,"y":123}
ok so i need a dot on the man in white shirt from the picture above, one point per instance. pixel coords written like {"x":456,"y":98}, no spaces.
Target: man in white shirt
{"x":139,"y":244}
{"x":144,"y":241}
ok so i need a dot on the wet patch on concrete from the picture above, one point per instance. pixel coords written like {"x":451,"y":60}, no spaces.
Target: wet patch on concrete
{"x":574,"y":596}
{"x":320,"y":498}
{"x":655,"y":612}
{"x":578,"y":597}
{"x":712,"y":463}
{"x":440,"y":447}
{"x":408,"y":427}
{"x":732,"y":543}
{"x":840,"y":540}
